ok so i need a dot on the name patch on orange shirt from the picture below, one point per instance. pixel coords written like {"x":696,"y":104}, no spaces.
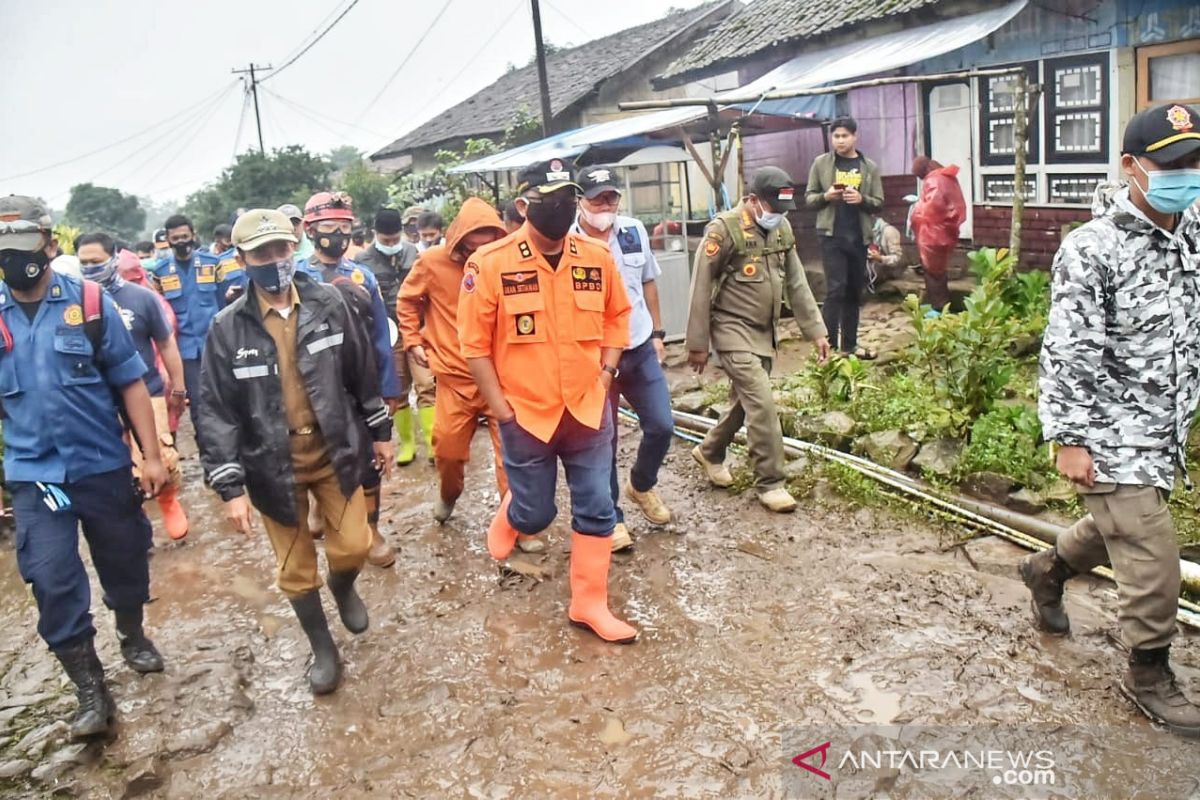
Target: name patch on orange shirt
{"x":519,"y":283}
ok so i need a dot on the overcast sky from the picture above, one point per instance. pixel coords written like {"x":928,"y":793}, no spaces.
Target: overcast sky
{"x":80,"y":75}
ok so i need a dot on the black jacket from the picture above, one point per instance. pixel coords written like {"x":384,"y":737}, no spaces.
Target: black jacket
{"x":243,"y":436}
{"x":389,"y":271}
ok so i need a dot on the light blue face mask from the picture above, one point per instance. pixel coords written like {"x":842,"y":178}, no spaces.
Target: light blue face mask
{"x":769,"y":220}
{"x":389,"y":249}
{"x":1171,"y":191}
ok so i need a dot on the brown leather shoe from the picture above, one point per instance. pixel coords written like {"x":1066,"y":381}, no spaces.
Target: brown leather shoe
{"x":381,"y":554}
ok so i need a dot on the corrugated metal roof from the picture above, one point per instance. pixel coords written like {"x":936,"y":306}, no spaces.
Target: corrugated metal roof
{"x":764,"y":24}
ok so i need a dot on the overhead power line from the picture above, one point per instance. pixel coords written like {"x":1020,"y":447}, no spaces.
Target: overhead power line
{"x":311,"y":44}
{"x":117,"y":143}
{"x":403,"y":63}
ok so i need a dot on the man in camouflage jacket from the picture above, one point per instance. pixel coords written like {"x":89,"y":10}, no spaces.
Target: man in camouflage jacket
{"x":1120,"y":383}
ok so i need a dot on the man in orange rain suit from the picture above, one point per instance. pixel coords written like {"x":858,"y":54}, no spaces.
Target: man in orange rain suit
{"x":431,"y":290}
{"x":543,"y":321}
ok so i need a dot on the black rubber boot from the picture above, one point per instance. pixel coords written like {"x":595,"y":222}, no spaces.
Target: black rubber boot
{"x":1151,"y":685}
{"x":96,"y":708}
{"x":326,"y":671}
{"x":350,"y":605}
{"x":138,"y":651}
{"x":1045,"y":573}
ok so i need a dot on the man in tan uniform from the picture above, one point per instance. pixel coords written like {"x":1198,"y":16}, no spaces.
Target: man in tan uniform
{"x":747,"y":262}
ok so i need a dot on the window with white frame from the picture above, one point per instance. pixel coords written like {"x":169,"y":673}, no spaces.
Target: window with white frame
{"x":998,"y":121}
{"x":1000,"y":188}
{"x":1073,"y":187}
{"x":1077,"y":109}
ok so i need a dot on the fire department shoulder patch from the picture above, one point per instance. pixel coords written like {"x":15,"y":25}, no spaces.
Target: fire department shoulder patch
{"x":711,"y":247}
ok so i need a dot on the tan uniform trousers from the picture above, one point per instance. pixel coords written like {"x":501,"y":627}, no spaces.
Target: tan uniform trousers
{"x":754,"y":405}
{"x":347,"y":534}
{"x":412,"y":376}
{"x":455,"y":420}
{"x":1130,"y":529}
{"x":170,"y":456}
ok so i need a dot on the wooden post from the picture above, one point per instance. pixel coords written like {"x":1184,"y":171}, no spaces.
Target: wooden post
{"x":543,"y":81}
{"x":718,"y":163}
{"x":1021,"y":99}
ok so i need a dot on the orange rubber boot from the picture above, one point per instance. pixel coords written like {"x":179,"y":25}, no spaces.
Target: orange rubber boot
{"x":502,"y":536}
{"x":173,"y":517}
{"x":590,"y":557}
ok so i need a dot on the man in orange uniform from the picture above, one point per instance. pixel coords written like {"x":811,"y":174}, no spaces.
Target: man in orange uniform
{"x":431,"y":289}
{"x":543,"y":321}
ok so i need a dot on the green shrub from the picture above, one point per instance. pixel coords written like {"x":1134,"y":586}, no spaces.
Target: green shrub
{"x":1005,"y":440}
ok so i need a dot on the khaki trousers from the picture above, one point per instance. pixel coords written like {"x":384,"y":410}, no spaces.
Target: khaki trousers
{"x":170,"y":455}
{"x":754,"y":405}
{"x":347,"y":534}
{"x":412,"y":376}
{"x":1130,"y":529}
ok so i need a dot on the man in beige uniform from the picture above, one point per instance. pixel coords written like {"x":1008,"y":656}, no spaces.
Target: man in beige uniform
{"x":746,"y":263}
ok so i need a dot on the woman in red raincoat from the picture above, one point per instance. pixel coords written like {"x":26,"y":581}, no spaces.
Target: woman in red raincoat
{"x":935,"y":222}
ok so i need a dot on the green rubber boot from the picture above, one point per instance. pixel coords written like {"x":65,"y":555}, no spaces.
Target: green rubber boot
{"x":407,"y":450}
{"x":425,"y":420}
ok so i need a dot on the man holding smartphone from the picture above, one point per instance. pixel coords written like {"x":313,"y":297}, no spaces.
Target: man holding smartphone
{"x":847,"y":191}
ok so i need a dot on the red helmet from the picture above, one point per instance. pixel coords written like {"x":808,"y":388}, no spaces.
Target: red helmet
{"x":328,"y":205}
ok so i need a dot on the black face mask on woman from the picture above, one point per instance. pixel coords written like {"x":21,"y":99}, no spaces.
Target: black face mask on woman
{"x":552,"y":219}
{"x":22,"y":269}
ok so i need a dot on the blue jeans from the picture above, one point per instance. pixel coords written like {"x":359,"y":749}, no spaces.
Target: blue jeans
{"x":191,"y":376}
{"x":532,"y":468}
{"x":645,"y":387}
{"x":118,"y":536}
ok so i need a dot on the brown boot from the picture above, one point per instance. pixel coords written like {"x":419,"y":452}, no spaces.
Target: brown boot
{"x":1151,"y":685}
{"x":1045,"y":573}
{"x":590,"y":559}
{"x":381,"y":553}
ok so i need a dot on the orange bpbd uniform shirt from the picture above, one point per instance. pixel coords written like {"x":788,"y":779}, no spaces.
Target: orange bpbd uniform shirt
{"x":544,"y":328}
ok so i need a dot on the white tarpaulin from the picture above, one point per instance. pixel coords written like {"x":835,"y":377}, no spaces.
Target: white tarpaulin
{"x":870,"y":56}
{"x":570,"y":144}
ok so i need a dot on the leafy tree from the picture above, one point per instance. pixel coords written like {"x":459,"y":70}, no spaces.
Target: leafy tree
{"x":343,"y":157}
{"x":285,"y":175}
{"x":368,"y":188}
{"x":102,"y":208}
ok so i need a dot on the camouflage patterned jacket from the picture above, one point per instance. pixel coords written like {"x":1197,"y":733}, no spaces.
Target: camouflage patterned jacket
{"x":1120,"y":362}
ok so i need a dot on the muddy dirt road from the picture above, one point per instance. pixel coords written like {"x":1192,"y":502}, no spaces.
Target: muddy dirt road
{"x":471,"y":684}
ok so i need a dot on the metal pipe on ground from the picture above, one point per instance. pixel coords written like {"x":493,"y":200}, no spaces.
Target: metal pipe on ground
{"x":1021,"y":529}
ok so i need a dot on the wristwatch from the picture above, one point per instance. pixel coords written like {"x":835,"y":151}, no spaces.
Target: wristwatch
{"x":658,"y":334}
{"x":611,"y":371}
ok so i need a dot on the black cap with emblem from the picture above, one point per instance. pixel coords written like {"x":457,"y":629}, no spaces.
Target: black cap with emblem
{"x":595,"y":181}
{"x":547,"y":176}
{"x":1163,"y":134}
{"x":775,"y":186}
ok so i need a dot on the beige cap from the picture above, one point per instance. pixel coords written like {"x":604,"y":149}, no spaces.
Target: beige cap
{"x":258,"y":226}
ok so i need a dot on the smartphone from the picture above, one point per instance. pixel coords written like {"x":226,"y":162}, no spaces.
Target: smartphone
{"x":841,"y":187}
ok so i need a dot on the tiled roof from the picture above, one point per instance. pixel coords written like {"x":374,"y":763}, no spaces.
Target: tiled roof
{"x":573,"y":74}
{"x":766,"y":23}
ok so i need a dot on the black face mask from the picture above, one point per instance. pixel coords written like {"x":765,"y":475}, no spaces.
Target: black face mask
{"x":22,"y":269}
{"x":552,"y":221}
{"x":183,"y":250}
{"x":333,"y":244}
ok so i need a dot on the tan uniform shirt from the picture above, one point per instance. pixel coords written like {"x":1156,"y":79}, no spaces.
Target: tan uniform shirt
{"x":308,"y":447}
{"x":737,"y":293}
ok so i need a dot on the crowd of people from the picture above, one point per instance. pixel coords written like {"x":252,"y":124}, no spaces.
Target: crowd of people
{"x":301,"y":346}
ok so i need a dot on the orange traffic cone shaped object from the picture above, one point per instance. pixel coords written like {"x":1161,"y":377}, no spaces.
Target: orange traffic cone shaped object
{"x":173,"y":517}
{"x":502,"y":536}
{"x":590,"y":557}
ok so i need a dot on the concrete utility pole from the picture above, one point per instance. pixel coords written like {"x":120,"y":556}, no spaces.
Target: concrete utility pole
{"x":254,"y":92}
{"x":543,"y":82}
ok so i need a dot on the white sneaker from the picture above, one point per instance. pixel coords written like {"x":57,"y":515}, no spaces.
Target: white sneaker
{"x":621,"y":540}
{"x":718,"y":474}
